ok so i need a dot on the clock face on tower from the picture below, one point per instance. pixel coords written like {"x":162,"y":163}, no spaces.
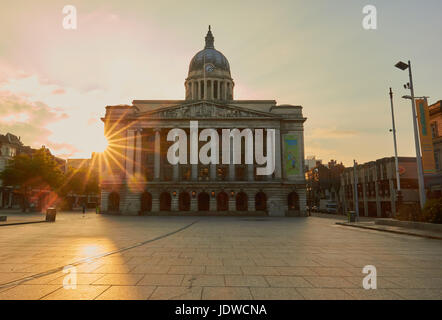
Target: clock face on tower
{"x":209,"y":67}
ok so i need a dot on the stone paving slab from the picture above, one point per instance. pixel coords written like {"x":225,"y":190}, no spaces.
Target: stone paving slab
{"x":214,"y":258}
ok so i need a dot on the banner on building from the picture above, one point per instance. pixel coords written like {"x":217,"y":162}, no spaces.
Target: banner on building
{"x":292,"y":154}
{"x":423,"y":119}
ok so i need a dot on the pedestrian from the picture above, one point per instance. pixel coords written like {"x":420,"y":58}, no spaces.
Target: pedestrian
{"x":84,"y":207}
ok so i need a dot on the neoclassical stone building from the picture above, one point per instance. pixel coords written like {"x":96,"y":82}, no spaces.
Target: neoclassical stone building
{"x":139,"y":179}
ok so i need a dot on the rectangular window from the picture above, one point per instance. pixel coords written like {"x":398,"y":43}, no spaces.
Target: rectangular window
{"x":434,"y":133}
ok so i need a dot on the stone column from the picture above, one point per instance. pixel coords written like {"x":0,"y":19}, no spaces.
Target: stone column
{"x":138,"y":150}
{"x":250,"y":172}
{"x":219,"y":91}
{"x":155,"y":200}
{"x":212,"y":93}
{"x":176,"y":172}
{"x":212,"y":202}
{"x":205,"y":89}
{"x":231,"y":165}
{"x":232,"y":202}
{"x":251,"y":201}
{"x":225,"y":90}
{"x":129,"y":153}
{"x":212,"y":172}
{"x":302,"y":201}
{"x":193,"y":202}
{"x":277,"y":154}
{"x":157,"y":155}
{"x":104,"y":200}
{"x":194,"y":174}
{"x":174,"y":204}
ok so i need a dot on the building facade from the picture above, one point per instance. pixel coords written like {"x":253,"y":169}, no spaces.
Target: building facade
{"x":10,"y":145}
{"x":434,"y":182}
{"x":377,"y":187}
{"x":140,"y":180}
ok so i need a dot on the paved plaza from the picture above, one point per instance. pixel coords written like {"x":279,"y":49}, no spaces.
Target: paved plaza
{"x":121,"y":257}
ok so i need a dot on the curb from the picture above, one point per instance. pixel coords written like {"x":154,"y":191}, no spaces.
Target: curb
{"x":18,"y":223}
{"x":391,"y":231}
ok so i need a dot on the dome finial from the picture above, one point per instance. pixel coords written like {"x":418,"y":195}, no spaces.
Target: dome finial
{"x":209,"y":40}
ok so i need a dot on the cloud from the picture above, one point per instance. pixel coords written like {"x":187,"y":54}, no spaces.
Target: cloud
{"x":58,"y":91}
{"x":29,"y":120}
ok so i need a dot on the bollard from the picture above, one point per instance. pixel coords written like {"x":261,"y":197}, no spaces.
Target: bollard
{"x":351,"y":216}
{"x":50,"y":214}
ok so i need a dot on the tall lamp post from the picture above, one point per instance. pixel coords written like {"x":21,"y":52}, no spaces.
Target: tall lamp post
{"x":355,"y":182}
{"x":398,"y":180}
{"x":420,"y":175}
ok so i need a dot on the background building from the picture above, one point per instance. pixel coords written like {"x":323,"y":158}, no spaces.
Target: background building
{"x":10,"y":146}
{"x":377,"y":187}
{"x":140,"y":180}
{"x":434,"y":182}
{"x":311,"y":162}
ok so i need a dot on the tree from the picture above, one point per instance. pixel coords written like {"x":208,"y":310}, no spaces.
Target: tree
{"x":82,"y":181}
{"x":36,"y":171}
{"x":322,"y":179}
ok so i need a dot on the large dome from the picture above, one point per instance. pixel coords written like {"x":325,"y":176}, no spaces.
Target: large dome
{"x":210,"y":58}
{"x":206,"y":56}
{"x":209,"y":75}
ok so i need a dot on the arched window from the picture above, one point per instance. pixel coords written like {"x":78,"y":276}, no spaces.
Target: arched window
{"x":165,"y":201}
{"x":293,"y":201}
{"x":113,"y":202}
{"x":241,"y":201}
{"x":222,"y":201}
{"x":203,"y":202}
{"x":146,"y":202}
{"x":184,"y":201}
{"x":260,"y":201}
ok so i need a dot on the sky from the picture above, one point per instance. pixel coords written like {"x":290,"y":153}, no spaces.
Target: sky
{"x":56,"y":83}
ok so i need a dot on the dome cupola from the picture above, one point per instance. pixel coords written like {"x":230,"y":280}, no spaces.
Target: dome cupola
{"x":209,"y":74}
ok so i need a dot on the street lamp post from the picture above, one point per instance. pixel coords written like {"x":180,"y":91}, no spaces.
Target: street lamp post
{"x":398,"y":180}
{"x":420,"y":176}
{"x":355,"y":182}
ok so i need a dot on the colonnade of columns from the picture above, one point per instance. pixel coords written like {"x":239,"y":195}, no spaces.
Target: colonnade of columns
{"x":134,"y":167}
{"x":209,"y":89}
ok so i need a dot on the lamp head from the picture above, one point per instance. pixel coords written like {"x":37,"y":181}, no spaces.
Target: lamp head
{"x":401,"y":65}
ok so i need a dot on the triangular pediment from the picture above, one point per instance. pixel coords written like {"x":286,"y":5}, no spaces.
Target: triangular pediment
{"x":205,"y":110}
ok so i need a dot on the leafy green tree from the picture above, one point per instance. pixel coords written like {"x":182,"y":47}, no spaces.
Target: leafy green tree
{"x":81,"y":181}
{"x":36,"y":171}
